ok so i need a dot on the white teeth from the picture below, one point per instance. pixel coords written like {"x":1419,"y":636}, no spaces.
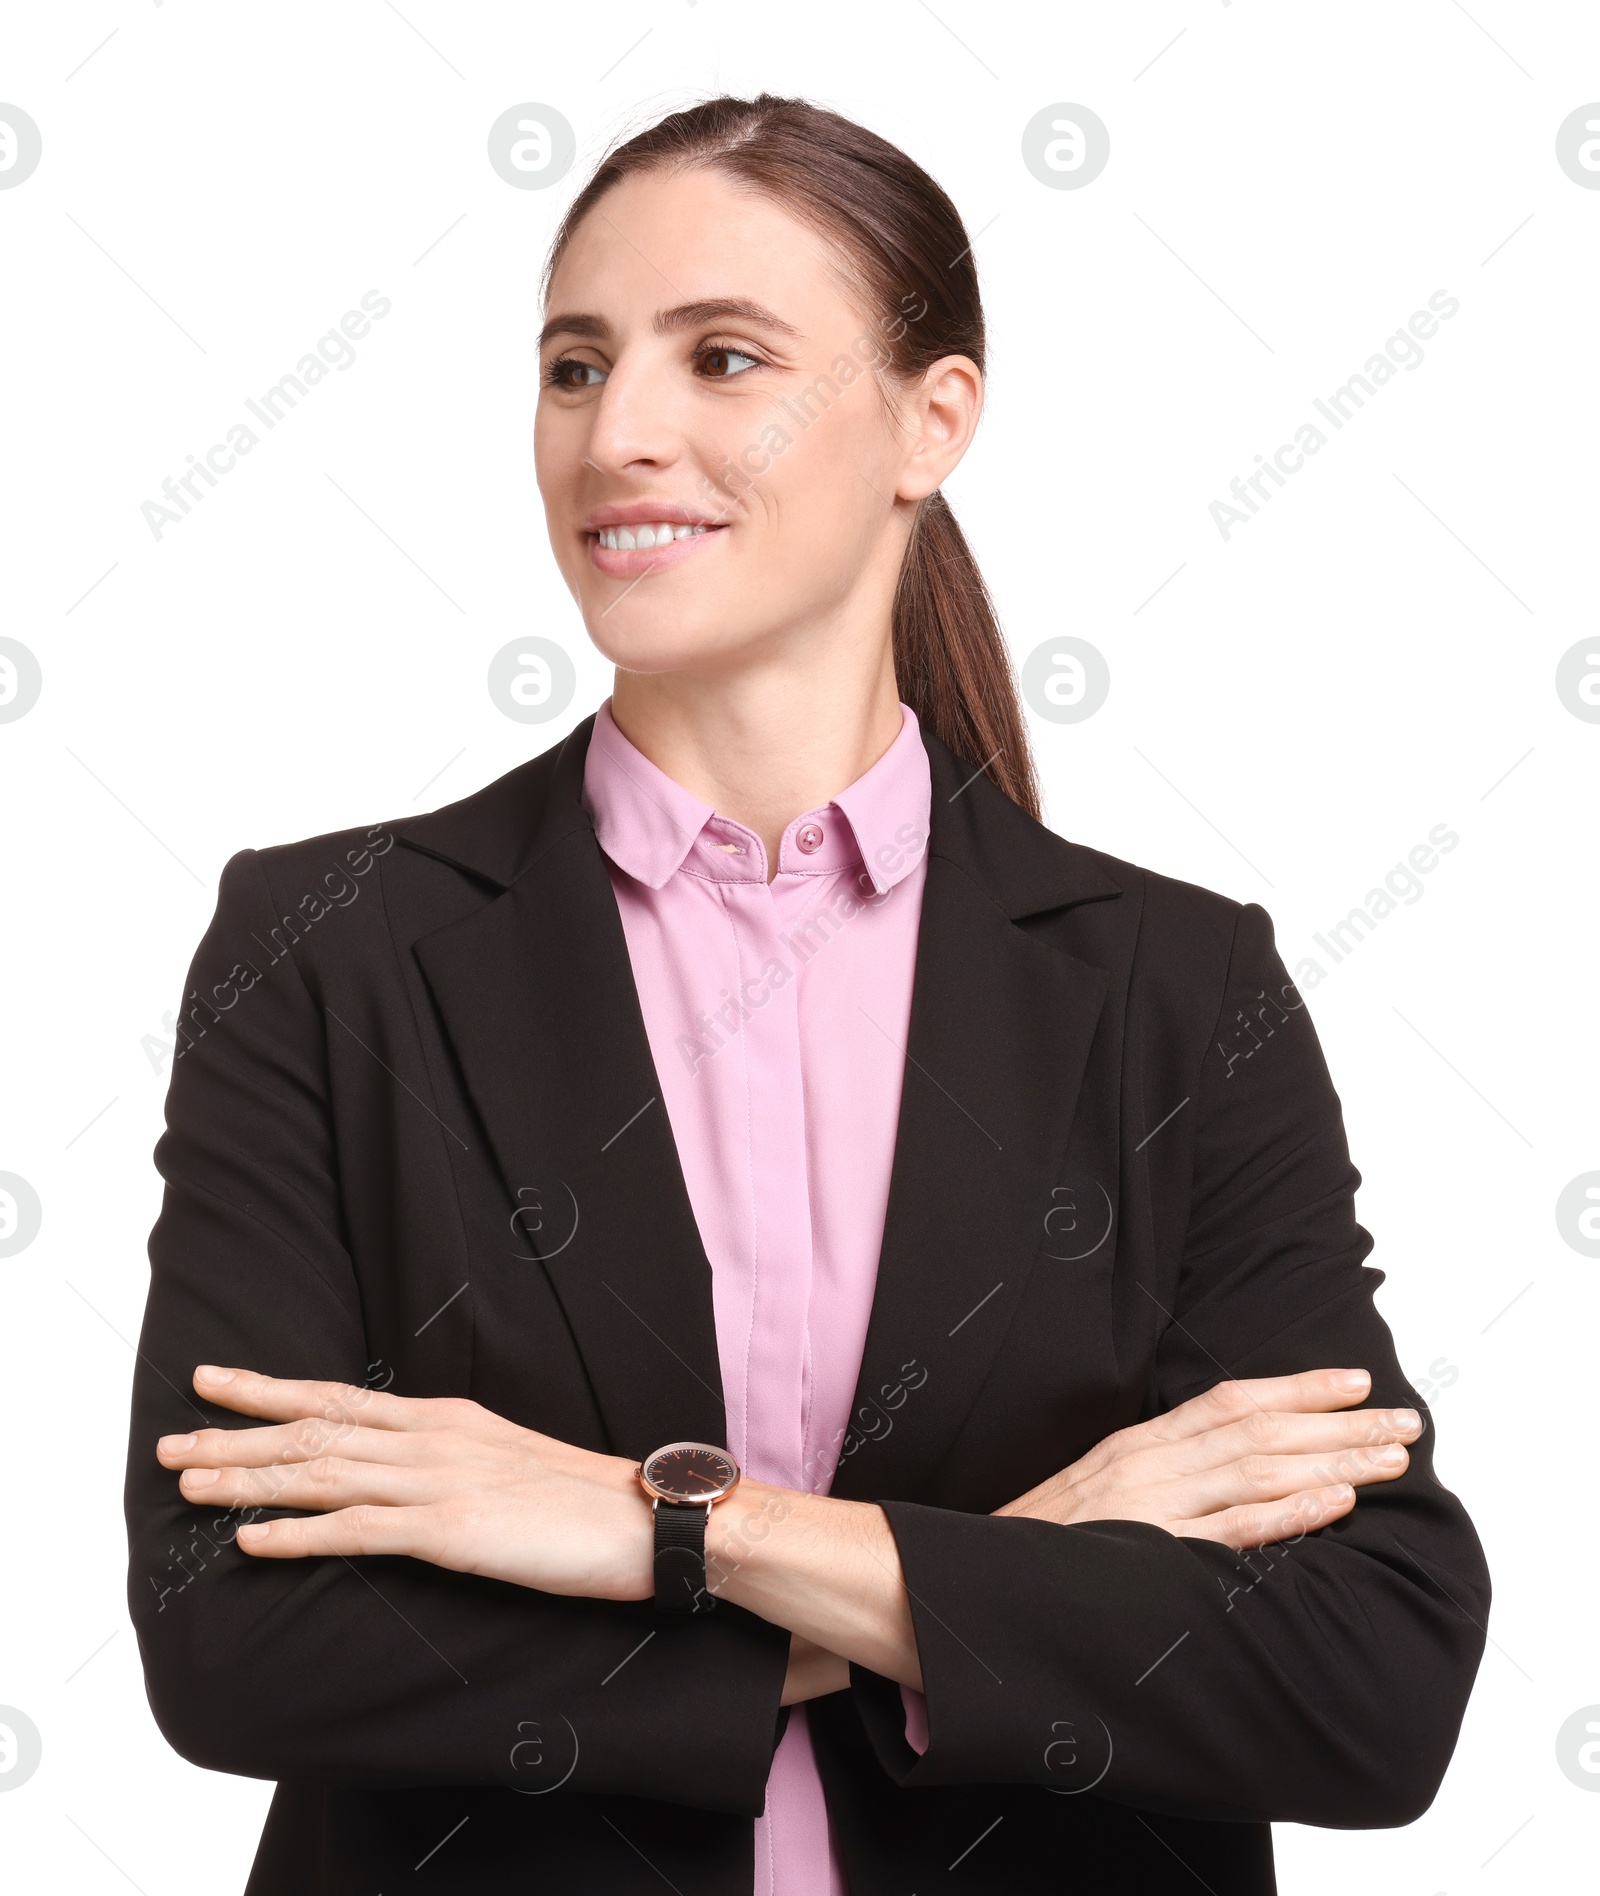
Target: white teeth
{"x":631,"y":539}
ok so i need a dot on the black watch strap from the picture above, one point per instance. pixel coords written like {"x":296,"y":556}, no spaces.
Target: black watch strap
{"x":681,"y":1558}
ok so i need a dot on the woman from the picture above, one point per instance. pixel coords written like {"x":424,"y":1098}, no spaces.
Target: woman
{"x":754,"y":1072}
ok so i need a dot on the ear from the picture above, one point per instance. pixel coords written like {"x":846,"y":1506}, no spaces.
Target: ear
{"x":942,"y":416}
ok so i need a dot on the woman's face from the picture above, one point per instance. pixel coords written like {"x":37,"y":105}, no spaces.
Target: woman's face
{"x":703,"y":365}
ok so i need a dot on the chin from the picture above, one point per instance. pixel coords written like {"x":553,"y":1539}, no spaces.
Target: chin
{"x":664,"y":645}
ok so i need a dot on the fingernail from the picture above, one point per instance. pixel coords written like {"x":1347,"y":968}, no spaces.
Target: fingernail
{"x":214,"y":1375}
{"x":1340,"y":1491}
{"x":1407,"y":1419}
{"x":256,"y":1531}
{"x":199,"y":1477}
{"x":1355,"y":1380}
{"x":175,"y":1444}
{"x":1389,"y":1457}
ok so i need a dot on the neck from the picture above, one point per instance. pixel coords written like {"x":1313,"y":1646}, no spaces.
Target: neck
{"x":763,"y":744}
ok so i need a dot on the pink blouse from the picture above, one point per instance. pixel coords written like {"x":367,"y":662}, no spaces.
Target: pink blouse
{"x":777,"y":1014}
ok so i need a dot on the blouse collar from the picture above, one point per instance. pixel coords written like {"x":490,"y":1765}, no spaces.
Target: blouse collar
{"x":651,"y":827}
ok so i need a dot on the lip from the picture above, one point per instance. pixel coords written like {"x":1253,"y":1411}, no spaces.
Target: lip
{"x":638,"y":512}
{"x":649,"y":559}
{"x":619,"y":564}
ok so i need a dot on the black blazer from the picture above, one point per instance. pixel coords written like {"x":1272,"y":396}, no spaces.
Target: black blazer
{"x":410,"y":1142}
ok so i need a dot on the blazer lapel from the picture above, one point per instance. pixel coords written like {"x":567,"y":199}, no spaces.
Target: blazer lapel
{"x":1002,"y":1024}
{"x":537,"y":996}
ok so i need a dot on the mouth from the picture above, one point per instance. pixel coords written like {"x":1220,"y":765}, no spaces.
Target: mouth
{"x":624,"y":552}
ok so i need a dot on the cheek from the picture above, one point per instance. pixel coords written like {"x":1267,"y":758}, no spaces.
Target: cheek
{"x":557,"y":452}
{"x":558,"y":471}
{"x":830,"y":486}
{"x":734,"y":456}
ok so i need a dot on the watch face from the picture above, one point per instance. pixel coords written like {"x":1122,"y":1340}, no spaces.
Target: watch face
{"x":690,"y":1471}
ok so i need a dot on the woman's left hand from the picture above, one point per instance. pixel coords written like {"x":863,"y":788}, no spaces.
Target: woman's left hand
{"x":442,"y":1479}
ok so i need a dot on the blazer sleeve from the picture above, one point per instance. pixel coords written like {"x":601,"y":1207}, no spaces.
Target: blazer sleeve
{"x":377,"y":1671}
{"x":1319,"y":1681}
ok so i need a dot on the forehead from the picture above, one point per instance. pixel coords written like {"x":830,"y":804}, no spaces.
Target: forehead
{"x":669,"y":238}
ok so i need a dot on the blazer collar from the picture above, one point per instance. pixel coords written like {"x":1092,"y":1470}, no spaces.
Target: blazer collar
{"x":498,"y":832}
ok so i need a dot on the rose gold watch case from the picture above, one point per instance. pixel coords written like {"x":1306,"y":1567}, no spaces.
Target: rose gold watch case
{"x":678,"y":1500}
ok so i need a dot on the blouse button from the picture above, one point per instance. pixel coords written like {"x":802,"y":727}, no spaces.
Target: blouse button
{"x":808,"y":838}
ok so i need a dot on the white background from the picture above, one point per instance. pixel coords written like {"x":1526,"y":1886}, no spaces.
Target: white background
{"x":1291,"y":709}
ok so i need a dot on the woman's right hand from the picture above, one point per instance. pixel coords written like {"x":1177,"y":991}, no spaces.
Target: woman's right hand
{"x":1244,"y":1464}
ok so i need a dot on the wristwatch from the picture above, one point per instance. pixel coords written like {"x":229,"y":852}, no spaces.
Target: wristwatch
{"x":685,"y":1481}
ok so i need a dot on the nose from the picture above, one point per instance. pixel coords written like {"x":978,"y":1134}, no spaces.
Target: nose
{"x":636,"y":422}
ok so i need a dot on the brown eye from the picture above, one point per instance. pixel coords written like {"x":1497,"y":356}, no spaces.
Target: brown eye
{"x":561,"y":372}
{"x":717,"y":364}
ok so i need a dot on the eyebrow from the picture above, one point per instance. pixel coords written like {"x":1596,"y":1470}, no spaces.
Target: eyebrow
{"x":667,"y":321}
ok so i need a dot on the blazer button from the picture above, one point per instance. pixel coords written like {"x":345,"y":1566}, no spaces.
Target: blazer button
{"x":808,"y":838}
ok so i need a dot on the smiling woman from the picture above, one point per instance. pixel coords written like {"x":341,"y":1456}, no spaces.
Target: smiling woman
{"x":842,"y":324}
{"x":646,"y":1564}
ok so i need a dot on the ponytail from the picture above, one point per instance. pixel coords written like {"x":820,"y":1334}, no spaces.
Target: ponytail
{"x":950,"y":657}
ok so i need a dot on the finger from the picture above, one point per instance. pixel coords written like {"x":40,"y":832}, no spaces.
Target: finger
{"x":284,"y":1399}
{"x":1277,"y":1431}
{"x":1263,"y":1479}
{"x":1310,"y":1390}
{"x":326,"y":1484}
{"x":304,"y":1441}
{"x":357,"y":1530}
{"x":1262,"y":1523}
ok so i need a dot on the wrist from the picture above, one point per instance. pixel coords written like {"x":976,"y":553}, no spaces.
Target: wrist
{"x":637,"y":1543}
{"x":739,"y":1529}
{"x":685,"y":1483}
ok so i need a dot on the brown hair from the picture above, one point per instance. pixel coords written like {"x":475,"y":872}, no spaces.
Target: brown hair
{"x":904,"y":247}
